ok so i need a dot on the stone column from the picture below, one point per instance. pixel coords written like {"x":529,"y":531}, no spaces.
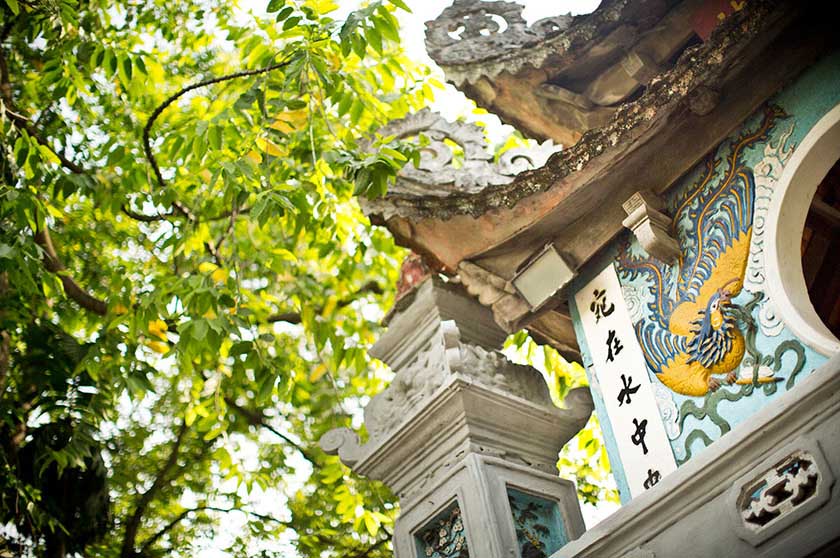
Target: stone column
{"x":465,"y":438}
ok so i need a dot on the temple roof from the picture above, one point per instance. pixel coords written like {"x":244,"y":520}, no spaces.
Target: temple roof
{"x":563,"y":75}
{"x":483,"y":219}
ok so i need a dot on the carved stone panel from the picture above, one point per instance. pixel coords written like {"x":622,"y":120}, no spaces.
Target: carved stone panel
{"x":444,"y":536}
{"x":786,"y":487}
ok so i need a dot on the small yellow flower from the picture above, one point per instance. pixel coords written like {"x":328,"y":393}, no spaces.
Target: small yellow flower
{"x":119,"y":309}
{"x":158,"y":329}
{"x":158,"y":347}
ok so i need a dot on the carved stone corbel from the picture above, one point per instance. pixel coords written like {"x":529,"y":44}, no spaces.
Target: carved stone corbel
{"x":491,"y":290}
{"x":344,"y":443}
{"x":650,"y":226}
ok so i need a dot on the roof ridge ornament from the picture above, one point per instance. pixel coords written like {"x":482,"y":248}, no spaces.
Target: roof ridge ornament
{"x":456,"y":160}
{"x":470,"y":31}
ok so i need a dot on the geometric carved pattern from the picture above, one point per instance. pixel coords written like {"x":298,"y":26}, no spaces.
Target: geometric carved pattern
{"x":789,"y":485}
{"x":780,"y":490}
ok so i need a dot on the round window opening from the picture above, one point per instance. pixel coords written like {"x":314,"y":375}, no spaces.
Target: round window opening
{"x":821,"y":250}
{"x":802,"y":251}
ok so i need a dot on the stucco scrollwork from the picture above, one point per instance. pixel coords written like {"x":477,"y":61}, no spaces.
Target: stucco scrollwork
{"x":414,"y":382}
{"x":468,"y":31}
{"x":668,"y":410}
{"x":342,"y":442}
{"x":446,"y":354}
{"x":767,"y":173}
{"x":455,"y":159}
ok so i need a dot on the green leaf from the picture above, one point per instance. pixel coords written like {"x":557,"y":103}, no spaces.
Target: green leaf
{"x":400,"y":4}
{"x":284,"y":13}
{"x":21,"y":151}
{"x":374,"y":38}
{"x":140,"y":65}
{"x":199,"y":329}
{"x":109,"y":63}
{"x":125,"y":68}
{"x":371,"y":524}
{"x":213,"y":434}
{"x":215,"y":137}
{"x":13,"y":5}
{"x":359,"y":46}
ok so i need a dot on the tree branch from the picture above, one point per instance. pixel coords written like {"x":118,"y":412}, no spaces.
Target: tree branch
{"x":142,"y":217}
{"x":256,"y":418}
{"x":295,"y":318}
{"x":234,"y":213}
{"x":183,"y":515}
{"x":147,"y":145}
{"x":133,"y":524}
{"x":5,"y":340}
{"x":54,"y":264}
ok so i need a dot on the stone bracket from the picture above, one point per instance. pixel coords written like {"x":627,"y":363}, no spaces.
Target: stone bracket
{"x":509,"y":308}
{"x":650,"y":226}
{"x":344,"y":443}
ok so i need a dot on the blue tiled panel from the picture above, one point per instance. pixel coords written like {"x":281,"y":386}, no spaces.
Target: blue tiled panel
{"x":539,"y":526}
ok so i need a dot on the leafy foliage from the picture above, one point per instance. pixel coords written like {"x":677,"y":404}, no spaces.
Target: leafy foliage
{"x":187,"y":284}
{"x":176,"y":203}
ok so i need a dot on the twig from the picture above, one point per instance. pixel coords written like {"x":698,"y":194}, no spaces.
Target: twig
{"x":133,"y":523}
{"x":295,"y":317}
{"x":181,"y":516}
{"x":234,"y":213}
{"x":256,"y":418}
{"x":142,"y":217}
{"x":54,"y":264}
{"x":147,"y":145}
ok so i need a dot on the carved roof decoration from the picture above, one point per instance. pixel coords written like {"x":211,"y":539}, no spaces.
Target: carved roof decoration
{"x":671,"y":120}
{"x":475,"y":38}
{"x":563,"y":75}
{"x":441,"y":173}
{"x":469,"y":33}
{"x":419,"y":194}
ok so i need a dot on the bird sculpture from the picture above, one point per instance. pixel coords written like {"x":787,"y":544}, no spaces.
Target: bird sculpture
{"x":690,"y":336}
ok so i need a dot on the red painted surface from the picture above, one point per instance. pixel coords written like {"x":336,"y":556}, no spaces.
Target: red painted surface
{"x":711,"y":13}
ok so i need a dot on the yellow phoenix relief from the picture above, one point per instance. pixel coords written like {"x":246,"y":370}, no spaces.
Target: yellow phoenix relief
{"x":691,"y":333}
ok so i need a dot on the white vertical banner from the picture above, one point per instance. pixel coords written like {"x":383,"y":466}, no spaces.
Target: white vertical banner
{"x":620,"y":368}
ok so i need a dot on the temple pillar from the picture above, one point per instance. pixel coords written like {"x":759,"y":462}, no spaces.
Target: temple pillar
{"x":466,"y":439}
